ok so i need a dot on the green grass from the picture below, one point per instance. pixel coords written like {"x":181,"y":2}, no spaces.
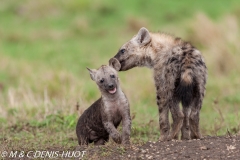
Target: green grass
{"x":45,"y":47}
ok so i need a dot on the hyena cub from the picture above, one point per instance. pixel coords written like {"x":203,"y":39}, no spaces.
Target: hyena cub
{"x":102,"y":118}
{"x":180,"y":75}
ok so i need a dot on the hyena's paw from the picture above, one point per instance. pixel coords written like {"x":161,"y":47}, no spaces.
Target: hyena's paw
{"x":196,"y":136}
{"x":185,"y":136}
{"x":164,"y":138}
{"x":117,"y":138}
{"x":172,"y":137}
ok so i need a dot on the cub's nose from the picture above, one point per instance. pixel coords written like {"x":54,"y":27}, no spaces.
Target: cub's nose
{"x":110,"y":86}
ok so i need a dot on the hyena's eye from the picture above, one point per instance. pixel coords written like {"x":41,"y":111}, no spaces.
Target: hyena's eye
{"x":112,"y":76}
{"x":122,"y":50}
{"x":102,"y":80}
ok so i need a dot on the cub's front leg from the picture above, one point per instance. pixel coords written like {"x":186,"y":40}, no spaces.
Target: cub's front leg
{"x":126,"y":124}
{"x":113,"y":132}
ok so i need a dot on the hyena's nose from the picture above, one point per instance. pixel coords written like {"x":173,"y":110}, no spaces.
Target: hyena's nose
{"x":110,"y":86}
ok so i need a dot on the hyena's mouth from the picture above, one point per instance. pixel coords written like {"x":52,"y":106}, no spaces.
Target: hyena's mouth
{"x":122,"y":62}
{"x":113,"y":90}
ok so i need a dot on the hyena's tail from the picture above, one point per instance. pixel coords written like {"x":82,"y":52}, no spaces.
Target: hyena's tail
{"x":187,"y":85}
{"x":186,"y":88}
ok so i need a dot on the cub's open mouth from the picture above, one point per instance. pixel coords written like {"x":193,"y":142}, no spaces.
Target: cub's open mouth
{"x":113,"y":90}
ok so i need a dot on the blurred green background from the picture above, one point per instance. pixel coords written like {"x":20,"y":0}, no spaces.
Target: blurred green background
{"x":46,"y":45}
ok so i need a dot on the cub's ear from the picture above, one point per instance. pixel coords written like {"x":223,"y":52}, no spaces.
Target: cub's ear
{"x":92,"y":73}
{"x":114,"y":63}
{"x":143,"y":36}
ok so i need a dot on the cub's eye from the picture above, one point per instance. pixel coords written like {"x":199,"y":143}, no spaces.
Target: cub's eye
{"x":122,"y":50}
{"x":102,"y":80}
{"x":112,"y":76}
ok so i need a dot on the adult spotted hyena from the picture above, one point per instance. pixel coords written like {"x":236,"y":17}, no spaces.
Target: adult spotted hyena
{"x":102,"y":118}
{"x":180,"y":76}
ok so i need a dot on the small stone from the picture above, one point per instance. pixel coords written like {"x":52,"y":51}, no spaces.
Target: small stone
{"x":143,"y":151}
{"x":150,"y":157}
{"x":231,"y":147}
{"x":204,"y":148}
{"x":129,"y":156}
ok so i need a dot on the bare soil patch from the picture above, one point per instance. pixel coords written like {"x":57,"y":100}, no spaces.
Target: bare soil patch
{"x":214,"y":148}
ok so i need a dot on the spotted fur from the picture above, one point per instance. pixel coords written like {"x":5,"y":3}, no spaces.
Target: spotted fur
{"x":180,"y":76}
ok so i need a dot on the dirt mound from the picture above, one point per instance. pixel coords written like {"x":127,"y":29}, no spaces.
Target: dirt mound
{"x":206,"y":148}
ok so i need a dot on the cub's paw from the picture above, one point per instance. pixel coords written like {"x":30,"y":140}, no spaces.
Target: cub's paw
{"x":117,"y":138}
{"x":126,"y":141}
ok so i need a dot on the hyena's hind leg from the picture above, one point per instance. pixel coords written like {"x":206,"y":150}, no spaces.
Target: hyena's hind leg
{"x":194,"y":119}
{"x":190,"y":128}
{"x":99,"y":142}
{"x":195,"y":113}
{"x":186,"y":124}
{"x":82,"y":140}
{"x":194,"y":124}
{"x":177,"y":117}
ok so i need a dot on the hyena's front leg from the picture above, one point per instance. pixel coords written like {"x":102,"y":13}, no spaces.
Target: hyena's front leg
{"x":163,"y":120}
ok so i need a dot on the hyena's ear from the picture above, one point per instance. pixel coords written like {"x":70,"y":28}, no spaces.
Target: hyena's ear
{"x":92,"y":73}
{"x":143,"y":36}
{"x":114,"y":63}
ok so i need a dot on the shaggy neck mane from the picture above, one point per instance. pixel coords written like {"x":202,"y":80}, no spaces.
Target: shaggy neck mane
{"x":164,"y":41}
{"x":160,"y":43}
